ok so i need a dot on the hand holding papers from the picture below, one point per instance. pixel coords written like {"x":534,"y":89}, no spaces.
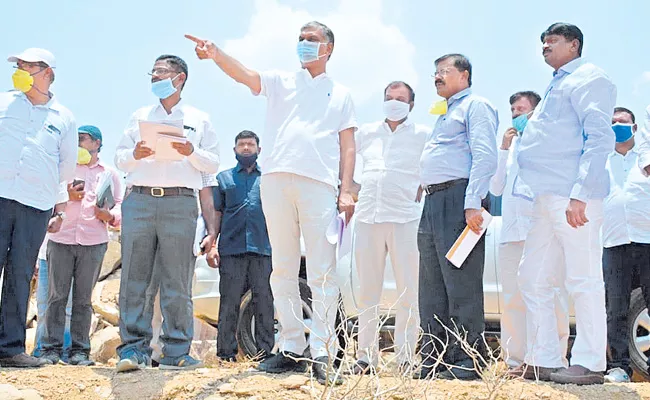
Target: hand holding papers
{"x":466,"y":242}
{"x":339,"y":232}
{"x":160,"y":136}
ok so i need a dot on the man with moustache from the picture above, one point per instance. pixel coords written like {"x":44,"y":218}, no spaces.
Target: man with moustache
{"x":561,"y":160}
{"x":455,"y":170}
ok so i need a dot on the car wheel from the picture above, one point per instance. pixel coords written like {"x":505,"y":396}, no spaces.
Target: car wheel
{"x":639,"y":334}
{"x":246,"y":326}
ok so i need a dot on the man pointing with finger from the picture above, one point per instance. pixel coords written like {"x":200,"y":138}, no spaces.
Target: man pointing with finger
{"x":310,"y":127}
{"x":159,"y":221}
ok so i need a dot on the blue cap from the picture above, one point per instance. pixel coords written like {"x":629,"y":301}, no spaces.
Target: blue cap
{"x":92,"y":130}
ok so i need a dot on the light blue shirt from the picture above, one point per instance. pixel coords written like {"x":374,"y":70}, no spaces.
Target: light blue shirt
{"x":39,"y":150}
{"x":568,"y":138}
{"x":463,"y":145}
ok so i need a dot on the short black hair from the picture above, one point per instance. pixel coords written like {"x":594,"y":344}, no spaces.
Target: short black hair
{"x":625,"y":110}
{"x":247,"y":135}
{"x":395,"y":84}
{"x":533,"y":97}
{"x":568,"y":31}
{"x":177,"y":63}
{"x":461,"y":63}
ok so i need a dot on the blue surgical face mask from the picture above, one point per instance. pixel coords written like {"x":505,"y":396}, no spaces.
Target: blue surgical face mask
{"x":163,"y":88}
{"x":520,"y":122}
{"x":623,"y":132}
{"x":308,"y":51}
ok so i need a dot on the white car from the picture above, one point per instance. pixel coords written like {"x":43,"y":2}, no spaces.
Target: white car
{"x":206,"y":302}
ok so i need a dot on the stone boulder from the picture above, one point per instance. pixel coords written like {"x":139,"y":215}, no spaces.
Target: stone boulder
{"x":9,"y":392}
{"x":103,"y":344}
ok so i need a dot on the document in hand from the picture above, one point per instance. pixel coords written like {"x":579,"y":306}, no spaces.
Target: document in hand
{"x":164,"y":149}
{"x":159,"y":136}
{"x":466,"y":242}
{"x":339,"y":232}
{"x":104,"y":192}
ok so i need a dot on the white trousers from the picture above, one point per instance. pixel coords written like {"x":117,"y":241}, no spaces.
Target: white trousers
{"x":513,"y":318}
{"x":551,"y":236}
{"x":373,"y":242}
{"x":293,"y":204}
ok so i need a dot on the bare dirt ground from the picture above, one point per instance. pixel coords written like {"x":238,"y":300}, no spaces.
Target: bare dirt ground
{"x":240,"y":381}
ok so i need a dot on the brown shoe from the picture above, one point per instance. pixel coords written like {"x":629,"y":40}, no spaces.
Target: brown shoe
{"x":578,"y":375}
{"x":23,"y":360}
{"x":533,"y":373}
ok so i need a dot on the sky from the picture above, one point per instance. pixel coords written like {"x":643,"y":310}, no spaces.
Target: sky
{"x":105,"y":49}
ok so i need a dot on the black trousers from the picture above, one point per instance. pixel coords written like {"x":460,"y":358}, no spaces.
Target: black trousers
{"x":448,"y":296}
{"x":235,"y":272}
{"x":22,"y":230}
{"x":620,"y":264}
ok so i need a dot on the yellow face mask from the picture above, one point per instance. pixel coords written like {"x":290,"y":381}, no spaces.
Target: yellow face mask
{"x":438,"y":108}
{"x":23,"y":80}
{"x":83,"y":156}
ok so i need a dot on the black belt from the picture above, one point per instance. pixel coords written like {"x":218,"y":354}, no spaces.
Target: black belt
{"x":444,"y":185}
{"x":161,"y":192}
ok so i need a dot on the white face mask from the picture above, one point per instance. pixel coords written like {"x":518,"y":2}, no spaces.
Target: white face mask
{"x":396,"y":110}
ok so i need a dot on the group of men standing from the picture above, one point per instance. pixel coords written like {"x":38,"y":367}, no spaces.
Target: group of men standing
{"x":550,"y":169}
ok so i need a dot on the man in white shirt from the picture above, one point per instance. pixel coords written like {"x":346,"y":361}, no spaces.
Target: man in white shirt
{"x":310,"y":125}
{"x":159,"y":221}
{"x":387,"y":217}
{"x":515,"y":222}
{"x":38,"y":138}
{"x":626,"y":238}
{"x":644,"y":145}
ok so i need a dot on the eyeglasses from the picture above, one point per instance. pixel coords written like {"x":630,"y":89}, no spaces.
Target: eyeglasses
{"x":442,"y":72}
{"x":160,"y":71}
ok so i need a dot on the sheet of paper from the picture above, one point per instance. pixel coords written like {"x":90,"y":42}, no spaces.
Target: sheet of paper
{"x":340,"y":234}
{"x":199,"y":234}
{"x":164,"y":149}
{"x":105,"y":198}
{"x":466,"y":242}
{"x":150,"y":130}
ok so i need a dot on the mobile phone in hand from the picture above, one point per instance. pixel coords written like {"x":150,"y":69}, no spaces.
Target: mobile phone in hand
{"x":79,"y":182}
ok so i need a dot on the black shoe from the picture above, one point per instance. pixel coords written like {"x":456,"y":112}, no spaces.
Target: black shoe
{"x":51,"y":357}
{"x":23,"y":360}
{"x":324,"y":372}
{"x":81,"y":359}
{"x":424,"y":373}
{"x":284,"y":361}
{"x":461,"y":372}
{"x":361,"y":368}
{"x":228,"y":358}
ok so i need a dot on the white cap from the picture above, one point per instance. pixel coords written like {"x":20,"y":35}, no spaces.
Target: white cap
{"x":35,"y":55}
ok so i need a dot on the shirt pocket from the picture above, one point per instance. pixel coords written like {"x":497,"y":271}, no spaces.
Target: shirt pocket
{"x":48,"y":138}
{"x":235,"y":197}
{"x":553,"y":103}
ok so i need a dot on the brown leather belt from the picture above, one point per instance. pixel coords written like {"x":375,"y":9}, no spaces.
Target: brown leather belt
{"x":444,"y":185}
{"x":162,"y":192}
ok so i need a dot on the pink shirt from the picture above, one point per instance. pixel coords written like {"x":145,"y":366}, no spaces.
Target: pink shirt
{"x":80,"y":225}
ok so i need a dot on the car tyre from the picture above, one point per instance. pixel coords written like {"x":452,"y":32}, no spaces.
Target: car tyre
{"x":638,"y":328}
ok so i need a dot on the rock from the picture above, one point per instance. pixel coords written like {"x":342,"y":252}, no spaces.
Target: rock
{"x":30,"y":340}
{"x":9,"y":392}
{"x":112,"y":259}
{"x":205,"y":350}
{"x":107,"y":309}
{"x":294,"y":381}
{"x":226,"y":388}
{"x":104,"y":343}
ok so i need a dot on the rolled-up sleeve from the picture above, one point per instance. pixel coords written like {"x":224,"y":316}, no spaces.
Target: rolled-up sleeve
{"x":644,"y":146}
{"x":594,"y":103}
{"x":483,"y":122}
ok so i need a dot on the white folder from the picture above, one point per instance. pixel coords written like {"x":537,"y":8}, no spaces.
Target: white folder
{"x":466,"y":242}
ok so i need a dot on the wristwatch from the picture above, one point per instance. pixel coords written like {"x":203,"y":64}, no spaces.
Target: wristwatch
{"x":60,"y":214}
